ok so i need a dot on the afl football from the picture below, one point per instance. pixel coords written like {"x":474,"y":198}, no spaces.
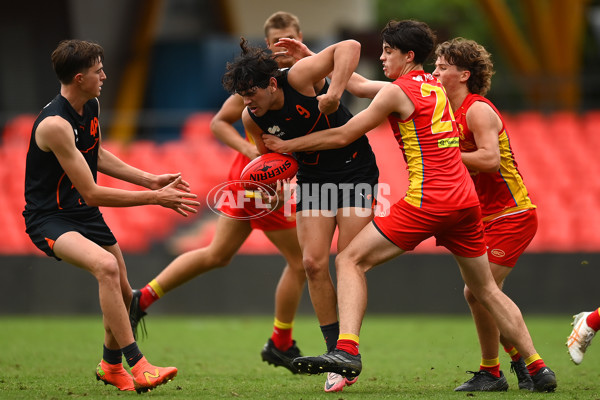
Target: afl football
{"x":268,"y":169}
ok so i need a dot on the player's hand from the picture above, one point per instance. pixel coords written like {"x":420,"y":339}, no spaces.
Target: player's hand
{"x":274,"y":143}
{"x":163,"y":180}
{"x":252,"y":152}
{"x":172,"y":197}
{"x":328,"y":104}
{"x":283,"y":193}
{"x":293,"y":48}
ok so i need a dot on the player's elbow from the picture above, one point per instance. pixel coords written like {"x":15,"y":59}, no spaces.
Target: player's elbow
{"x":352,"y":45}
{"x":214,"y":125}
{"x":492,"y":164}
{"x":494,"y":167}
{"x":91,"y":197}
{"x":91,"y":201}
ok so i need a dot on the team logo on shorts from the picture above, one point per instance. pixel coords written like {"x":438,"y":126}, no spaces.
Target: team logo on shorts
{"x":498,"y":253}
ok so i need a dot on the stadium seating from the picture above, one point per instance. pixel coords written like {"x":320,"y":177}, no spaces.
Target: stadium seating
{"x":555,"y":153}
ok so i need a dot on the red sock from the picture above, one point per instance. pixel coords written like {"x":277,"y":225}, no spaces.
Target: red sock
{"x":347,"y":345}
{"x":513,"y":353}
{"x":495,"y":370}
{"x":535,"y":366}
{"x":491,"y":365}
{"x":593,"y":320}
{"x":282,"y":338}
{"x":148,"y":297}
{"x":282,"y":335}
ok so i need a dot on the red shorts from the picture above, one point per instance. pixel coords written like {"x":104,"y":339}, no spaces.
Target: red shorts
{"x":460,"y":231}
{"x":508,"y":236}
{"x":276,"y":220}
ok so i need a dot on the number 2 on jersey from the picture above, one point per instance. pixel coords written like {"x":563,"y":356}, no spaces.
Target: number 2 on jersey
{"x":437,"y":124}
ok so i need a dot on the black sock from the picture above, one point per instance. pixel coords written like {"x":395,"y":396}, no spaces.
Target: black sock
{"x":132,"y":354}
{"x":331,"y":333}
{"x":112,"y":356}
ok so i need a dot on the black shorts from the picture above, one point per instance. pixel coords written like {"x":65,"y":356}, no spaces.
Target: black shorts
{"x":356,"y":189}
{"x":44,"y":229}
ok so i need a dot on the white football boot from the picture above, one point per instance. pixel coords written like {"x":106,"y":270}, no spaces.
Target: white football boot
{"x":580,"y":338}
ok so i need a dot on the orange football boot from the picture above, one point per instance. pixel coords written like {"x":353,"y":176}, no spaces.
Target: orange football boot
{"x":114,"y":375}
{"x":146,"y":376}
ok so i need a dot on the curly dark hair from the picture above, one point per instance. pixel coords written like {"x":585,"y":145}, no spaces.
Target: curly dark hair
{"x":410,"y":35}
{"x":253,"y":68}
{"x":469,"y":55}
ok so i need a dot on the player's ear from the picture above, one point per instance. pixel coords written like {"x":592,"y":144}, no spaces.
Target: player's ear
{"x":465,"y":75}
{"x":272,"y":84}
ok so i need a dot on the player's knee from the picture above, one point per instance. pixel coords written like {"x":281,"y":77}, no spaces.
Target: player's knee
{"x":314,"y":267}
{"x":219,"y":260}
{"x":107,"y":268}
{"x":469,"y":296}
{"x":342,"y":259}
{"x":346,"y":260}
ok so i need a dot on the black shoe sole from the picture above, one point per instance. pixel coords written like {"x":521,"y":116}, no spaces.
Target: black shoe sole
{"x":526,"y":386}
{"x":316,"y":365}
{"x":547,"y":387}
{"x":272,"y":359}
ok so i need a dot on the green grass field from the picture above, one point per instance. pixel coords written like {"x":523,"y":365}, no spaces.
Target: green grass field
{"x":218,"y":357}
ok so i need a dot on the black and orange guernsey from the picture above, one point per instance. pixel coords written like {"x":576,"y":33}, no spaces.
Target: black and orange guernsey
{"x":48,"y":189}
{"x":300,"y":116}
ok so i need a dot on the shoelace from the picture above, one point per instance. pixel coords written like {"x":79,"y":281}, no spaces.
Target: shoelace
{"x":584,"y":339}
{"x":141,"y":324}
{"x":516,"y":369}
{"x":475,"y":374}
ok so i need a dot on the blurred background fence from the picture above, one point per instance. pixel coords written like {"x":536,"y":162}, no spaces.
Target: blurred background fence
{"x":164,"y":60}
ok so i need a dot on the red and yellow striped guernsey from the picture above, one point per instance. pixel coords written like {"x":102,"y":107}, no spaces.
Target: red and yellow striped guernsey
{"x":438,"y":179}
{"x":502,"y":192}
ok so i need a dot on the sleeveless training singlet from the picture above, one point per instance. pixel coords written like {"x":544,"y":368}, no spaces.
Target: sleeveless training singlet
{"x":300,"y":116}
{"x":48,"y":189}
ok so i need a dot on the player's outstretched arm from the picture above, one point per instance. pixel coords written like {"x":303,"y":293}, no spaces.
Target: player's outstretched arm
{"x":54,"y":135}
{"x":111,"y":165}
{"x":362,"y":87}
{"x":383,"y":105}
{"x":223,"y":129}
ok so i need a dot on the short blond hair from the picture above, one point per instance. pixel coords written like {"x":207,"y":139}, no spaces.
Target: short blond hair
{"x":281,"y":20}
